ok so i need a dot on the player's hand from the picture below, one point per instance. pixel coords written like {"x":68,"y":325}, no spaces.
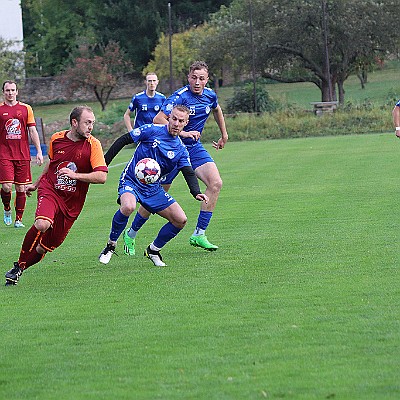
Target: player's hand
{"x":220,"y":144}
{"x":195,"y":135}
{"x":202,"y":197}
{"x":29,"y":189}
{"x":67,"y":172}
{"x":39,"y":159}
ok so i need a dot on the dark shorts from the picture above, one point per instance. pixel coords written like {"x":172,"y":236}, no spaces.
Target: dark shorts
{"x":15,"y":171}
{"x":48,"y":209}
{"x":198,"y":157}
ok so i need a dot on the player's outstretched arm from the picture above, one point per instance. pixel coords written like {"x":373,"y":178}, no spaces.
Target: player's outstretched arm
{"x":33,"y":186}
{"x":192,"y":182}
{"x":117,"y":146}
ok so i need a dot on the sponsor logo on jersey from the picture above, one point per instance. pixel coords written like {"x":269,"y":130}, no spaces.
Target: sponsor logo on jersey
{"x":171,"y":154}
{"x":65,"y":183}
{"x":156,"y":107}
{"x":136,"y":132}
{"x":208,"y":109}
{"x":13,"y":129}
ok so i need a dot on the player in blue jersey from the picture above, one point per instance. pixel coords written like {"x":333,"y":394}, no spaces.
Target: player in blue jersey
{"x":163,"y":144}
{"x":145,"y":104}
{"x":396,"y":118}
{"x":201,"y":101}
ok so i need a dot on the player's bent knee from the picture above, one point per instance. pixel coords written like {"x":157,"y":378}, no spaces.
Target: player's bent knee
{"x":128,"y":209}
{"x":42,"y":225}
{"x":180,"y":222}
{"x":216,"y":185}
{"x":7,"y":187}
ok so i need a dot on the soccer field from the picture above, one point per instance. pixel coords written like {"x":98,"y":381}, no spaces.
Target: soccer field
{"x":301,"y":301}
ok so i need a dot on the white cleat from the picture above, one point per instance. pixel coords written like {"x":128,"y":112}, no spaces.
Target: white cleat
{"x":106,"y":254}
{"x":155,"y":257}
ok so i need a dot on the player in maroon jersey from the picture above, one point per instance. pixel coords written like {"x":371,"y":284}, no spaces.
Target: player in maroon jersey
{"x":76,"y":160}
{"x":17,"y":123}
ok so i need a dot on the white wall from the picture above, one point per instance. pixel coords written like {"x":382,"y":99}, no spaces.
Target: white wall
{"x":11,"y":21}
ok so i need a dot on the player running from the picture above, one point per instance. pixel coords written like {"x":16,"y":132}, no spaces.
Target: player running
{"x":75,"y":160}
{"x":201,"y":101}
{"x":163,"y":144}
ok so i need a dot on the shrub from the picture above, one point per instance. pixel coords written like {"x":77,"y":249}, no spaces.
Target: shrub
{"x":243,"y":100}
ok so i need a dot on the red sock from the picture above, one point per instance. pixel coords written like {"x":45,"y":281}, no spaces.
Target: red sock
{"x":29,"y":256}
{"x":6,"y":199}
{"x":20,"y":201}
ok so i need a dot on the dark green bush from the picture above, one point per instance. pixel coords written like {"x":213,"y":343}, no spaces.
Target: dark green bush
{"x":243,"y":100}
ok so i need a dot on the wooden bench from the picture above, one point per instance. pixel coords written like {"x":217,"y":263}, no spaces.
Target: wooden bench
{"x":322,"y":107}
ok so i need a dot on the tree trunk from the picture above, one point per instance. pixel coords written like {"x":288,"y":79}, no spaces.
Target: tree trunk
{"x":341,"y":91}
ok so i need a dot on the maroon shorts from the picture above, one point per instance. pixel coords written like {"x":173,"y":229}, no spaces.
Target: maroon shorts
{"x":15,"y":171}
{"x":48,"y":208}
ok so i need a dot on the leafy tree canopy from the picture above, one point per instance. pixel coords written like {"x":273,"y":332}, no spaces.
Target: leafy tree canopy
{"x":294,"y":39}
{"x":54,"y":29}
{"x":11,"y":61}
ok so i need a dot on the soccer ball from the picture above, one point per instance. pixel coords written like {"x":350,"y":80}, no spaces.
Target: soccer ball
{"x":147,"y":170}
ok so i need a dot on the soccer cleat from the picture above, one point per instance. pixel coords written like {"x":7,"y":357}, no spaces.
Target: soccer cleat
{"x":129,"y":244}
{"x":12,"y":276}
{"x":108,"y":251}
{"x":18,"y":224}
{"x":7,"y":217}
{"x":202,"y":241}
{"x":155,"y":257}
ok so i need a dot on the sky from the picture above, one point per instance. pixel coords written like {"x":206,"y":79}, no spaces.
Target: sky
{"x":11,"y":21}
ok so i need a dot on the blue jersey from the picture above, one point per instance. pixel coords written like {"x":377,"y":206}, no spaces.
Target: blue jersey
{"x":155,"y":142}
{"x":199,"y":106}
{"x":146,"y":107}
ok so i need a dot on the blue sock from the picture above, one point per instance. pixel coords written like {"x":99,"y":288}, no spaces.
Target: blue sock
{"x":166,"y":233}
{"x":203,"y":220}
{"x":138,"y":222}
{"x":118,"y":225}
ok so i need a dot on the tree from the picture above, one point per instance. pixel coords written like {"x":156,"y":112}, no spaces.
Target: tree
{"x":97,"y":69}
{"x":52,"y":32}
{"x":53,"y":28}
{"x":182,"y":56}
{"x":11,"y":61}
{"x":318,"y":41}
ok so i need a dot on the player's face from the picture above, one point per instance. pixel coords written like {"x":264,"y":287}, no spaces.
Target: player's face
{"x":10,"y":92}
{"x":151,"y":82}
{"x":177,"y":121}
{"x":198,"y":80}
{"x":84,"y":127}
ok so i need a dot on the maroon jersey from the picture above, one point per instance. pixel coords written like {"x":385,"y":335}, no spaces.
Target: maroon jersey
{"x":82,"y":156}
{"x":14,"y":123}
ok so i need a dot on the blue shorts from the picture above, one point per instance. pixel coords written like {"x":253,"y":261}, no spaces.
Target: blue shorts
{"x":198,"y":157}
{"x":153,"y":202}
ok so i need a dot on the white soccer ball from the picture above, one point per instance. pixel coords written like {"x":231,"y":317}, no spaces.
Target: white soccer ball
{"x":147,"y":170}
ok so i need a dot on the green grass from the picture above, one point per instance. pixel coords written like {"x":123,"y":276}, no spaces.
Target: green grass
{"x":301,"y":301}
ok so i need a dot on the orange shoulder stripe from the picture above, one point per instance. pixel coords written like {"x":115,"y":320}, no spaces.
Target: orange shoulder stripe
{"x":54,"y":137}
{"x":97,"y":157}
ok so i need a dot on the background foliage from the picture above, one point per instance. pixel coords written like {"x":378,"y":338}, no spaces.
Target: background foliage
{"x":53,"y":29}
